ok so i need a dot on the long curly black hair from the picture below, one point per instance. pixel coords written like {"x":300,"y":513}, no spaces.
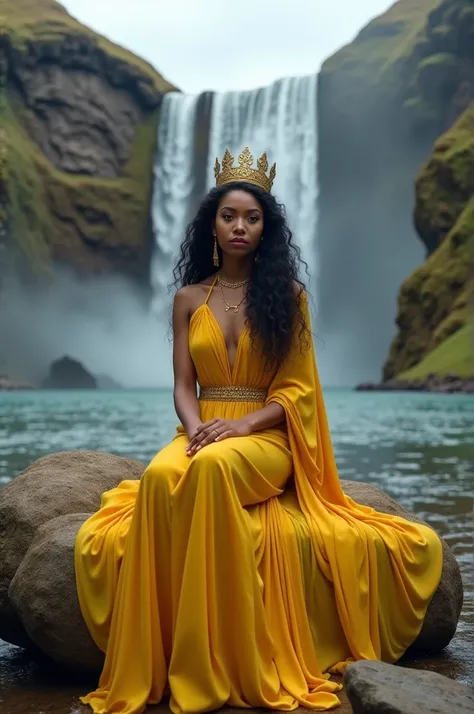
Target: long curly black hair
{"x":273,"y":303}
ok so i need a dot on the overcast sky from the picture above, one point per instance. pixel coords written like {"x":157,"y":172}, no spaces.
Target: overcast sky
{"x":225,"y":44}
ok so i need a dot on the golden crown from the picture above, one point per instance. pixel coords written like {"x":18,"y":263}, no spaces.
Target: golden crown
{"x":244,"y":172}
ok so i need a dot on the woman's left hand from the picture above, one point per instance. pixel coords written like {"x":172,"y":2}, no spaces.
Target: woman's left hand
{"x":216,"y":430}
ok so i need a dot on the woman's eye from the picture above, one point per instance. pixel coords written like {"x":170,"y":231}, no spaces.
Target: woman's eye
{"x":253,"y":219}
{"x":227,"y":217}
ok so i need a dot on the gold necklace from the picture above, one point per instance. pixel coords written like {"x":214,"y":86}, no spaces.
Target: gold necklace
{"x":232,"y":285}
{"x":228,"y":307}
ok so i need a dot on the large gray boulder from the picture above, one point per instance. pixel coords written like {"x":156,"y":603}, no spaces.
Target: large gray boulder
{"x":54,"y":485}
{"x":41,"y":512}
{"x":377,"y":687}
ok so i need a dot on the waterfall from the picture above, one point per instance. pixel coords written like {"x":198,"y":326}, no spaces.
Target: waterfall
{"x":173,"y":184}
{"x":279,"y":119}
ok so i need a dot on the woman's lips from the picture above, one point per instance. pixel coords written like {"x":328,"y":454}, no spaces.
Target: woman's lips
{"x":239,"y":240}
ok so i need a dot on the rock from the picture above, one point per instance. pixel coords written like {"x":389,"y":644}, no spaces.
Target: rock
{"x":434,"y":302}
{"x":377,"y":688}
{"x":54,"y":485}
{"x":40,"y":513}
{"x":67,"y":373}
{"x":89,"y":109}
{"x":445,"y":607}
{"x":451,"y":384}
{"x":43,"y":592}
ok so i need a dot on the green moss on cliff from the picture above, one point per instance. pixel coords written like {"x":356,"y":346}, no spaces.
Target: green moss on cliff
{"x":436,"y":300}
{"x":440,"y":73}
{"x":92,"y":223}
{"x":28,"y":213}
{"x":383,"y":43}
{"x":95,"y":224}
{"x":446,"y":182}
{"x":453,"y":356}
{"x":30,"y":21}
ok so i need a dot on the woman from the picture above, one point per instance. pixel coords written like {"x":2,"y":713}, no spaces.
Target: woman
{"x":236,"y":572}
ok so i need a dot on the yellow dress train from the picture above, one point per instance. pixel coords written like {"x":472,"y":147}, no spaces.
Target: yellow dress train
{"x":243,"y":576}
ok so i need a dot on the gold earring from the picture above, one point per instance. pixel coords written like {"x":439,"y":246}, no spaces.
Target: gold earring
{"x":215,"y":255}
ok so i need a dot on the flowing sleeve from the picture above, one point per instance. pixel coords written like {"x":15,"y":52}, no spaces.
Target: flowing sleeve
{"x":297,"y":388}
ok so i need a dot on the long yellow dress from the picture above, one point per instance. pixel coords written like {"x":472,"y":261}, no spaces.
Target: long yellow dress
{"x":243,"y":576}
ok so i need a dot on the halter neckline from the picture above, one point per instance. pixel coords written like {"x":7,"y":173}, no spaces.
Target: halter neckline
{"x":210,"y":290}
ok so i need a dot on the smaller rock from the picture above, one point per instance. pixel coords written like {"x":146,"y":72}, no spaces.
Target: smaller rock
{"x":376,"y":687}
{"x":68,"y":373}
{"x":44,"y":594}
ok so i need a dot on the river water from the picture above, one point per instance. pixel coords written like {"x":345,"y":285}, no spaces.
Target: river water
{"x":417,"y":447}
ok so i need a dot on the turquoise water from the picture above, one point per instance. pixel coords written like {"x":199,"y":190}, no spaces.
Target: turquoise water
{"x":417,"y":447}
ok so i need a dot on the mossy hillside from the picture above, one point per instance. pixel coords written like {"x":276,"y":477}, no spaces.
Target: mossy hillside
{"x":453,"y":356}
{"x":440,"y":75}
{"x":45,"y":21}
{"x":446,"y":182}
{"x":384,"y":44}
{"x":95,"y":224}
{"x":54,"y":214}
{"x":434,"y":304}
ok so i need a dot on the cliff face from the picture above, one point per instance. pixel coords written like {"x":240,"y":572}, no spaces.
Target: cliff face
{"x":383,"y":101}
{"x":368,"y":158}
{"x":435,"y":302}
{"x":80,"y":116}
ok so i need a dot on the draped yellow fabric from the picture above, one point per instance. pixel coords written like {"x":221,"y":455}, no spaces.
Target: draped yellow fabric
{"x":243,"y":576}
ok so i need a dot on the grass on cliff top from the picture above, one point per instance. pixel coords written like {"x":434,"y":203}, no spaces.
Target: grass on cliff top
{"x":453,"y":356}
{"x":385,"y":40}
{"x":48,"y":20}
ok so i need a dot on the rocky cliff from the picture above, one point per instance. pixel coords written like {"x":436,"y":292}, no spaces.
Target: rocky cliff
{"x":383,"y":101}
{"x":79,"y":117}
{"x":435,"y":302}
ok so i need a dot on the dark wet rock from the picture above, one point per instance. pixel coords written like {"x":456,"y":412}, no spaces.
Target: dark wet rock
{"x":380,"y":688}
{"x":68,"y":373}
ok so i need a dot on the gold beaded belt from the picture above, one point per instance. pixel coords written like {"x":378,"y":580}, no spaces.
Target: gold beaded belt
{"x":232,"y":394}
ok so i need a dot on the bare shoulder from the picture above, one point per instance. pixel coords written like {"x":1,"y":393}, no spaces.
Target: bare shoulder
{"x":190,"y":297}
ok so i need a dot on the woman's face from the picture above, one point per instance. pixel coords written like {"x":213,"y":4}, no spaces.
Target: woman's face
{"x":239,"y":223}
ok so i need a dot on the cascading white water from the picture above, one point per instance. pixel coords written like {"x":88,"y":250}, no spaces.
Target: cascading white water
{"x":173,"y":185}
{"x":279,"y":119}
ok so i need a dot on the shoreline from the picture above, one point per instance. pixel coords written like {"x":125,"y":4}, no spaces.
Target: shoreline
{"x":449,"y":384}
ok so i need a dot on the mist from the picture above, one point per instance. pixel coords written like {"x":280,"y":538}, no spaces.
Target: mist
{"x":103,"y":322}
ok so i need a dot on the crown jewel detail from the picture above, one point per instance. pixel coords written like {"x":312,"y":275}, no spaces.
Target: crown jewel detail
{"x":244,"y":171}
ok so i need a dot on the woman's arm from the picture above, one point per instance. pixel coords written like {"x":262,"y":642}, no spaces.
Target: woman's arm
{"x":270,"y":415}
{"x":185,"y":395}
{"x":219,"y":429}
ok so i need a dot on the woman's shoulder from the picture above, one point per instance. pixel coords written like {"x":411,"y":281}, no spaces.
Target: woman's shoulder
{"x":191,"y":296}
